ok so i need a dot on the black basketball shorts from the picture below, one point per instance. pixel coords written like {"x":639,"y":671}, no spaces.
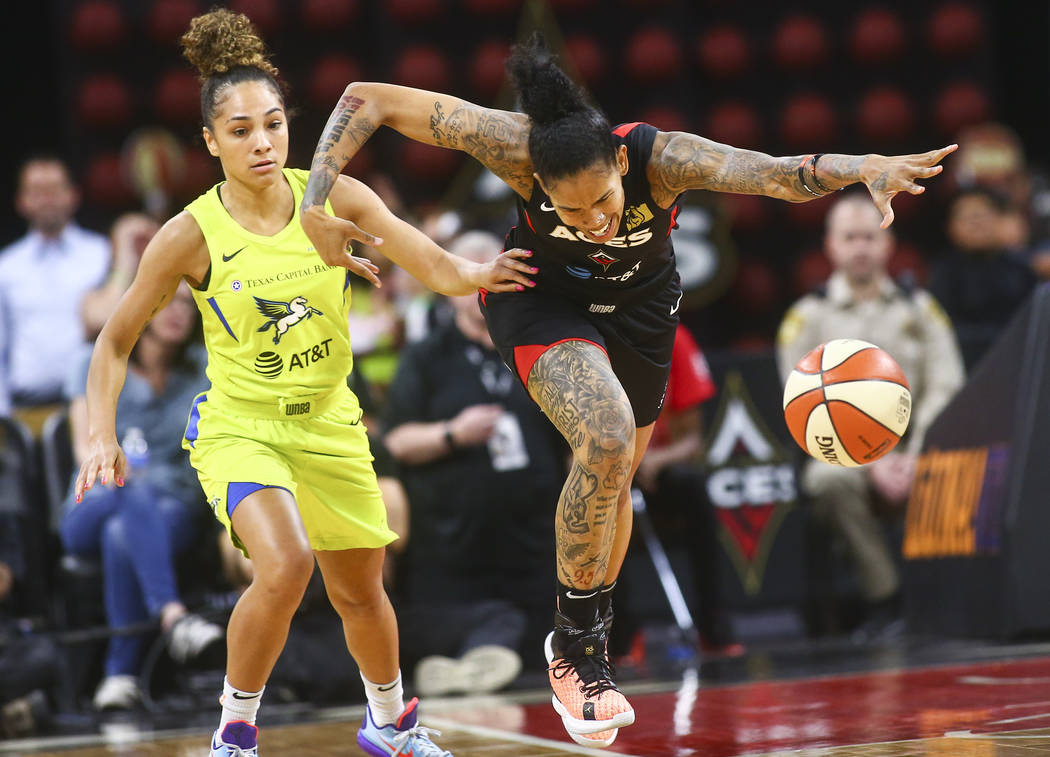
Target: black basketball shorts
{"x":638,"y":338}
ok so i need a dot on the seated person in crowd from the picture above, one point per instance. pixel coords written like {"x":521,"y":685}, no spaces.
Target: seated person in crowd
{"x":481,"y":466}
{"x":861,"y":301}
{"x":43,"y":277}
{"x":981,"y":281}
{"x":138,"y":529}
{"x":675,"y":489}
{"x":33,"y":679}
{"x":129,"y":236}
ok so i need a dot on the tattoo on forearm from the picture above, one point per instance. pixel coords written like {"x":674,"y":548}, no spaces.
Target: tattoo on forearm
{"x":496,"y":139}
{"x":691,"y":162}
{"x":575,"y":386}
{"x":328,"y":162}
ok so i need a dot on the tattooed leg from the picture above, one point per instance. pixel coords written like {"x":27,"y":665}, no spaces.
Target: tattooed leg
{"x":625,"y":509}
{"x":575,"y":386}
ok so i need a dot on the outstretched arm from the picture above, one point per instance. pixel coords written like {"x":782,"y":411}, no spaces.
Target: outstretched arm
{"x":684,"y":161}
{"x":417,"y":253}
{"x":496,"y":138}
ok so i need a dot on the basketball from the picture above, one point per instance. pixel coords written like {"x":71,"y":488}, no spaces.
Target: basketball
{"x":847,"y":403}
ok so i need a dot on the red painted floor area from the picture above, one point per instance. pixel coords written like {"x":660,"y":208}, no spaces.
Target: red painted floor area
{"x":848,"y":710}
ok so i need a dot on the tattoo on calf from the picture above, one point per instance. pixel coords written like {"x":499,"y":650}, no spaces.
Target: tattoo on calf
{"x":574,"y":384}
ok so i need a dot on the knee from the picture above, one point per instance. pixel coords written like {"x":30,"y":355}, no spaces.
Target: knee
{"x":357,"y":597}
{"x":114,"y":536}
{"x":608,"y":437}
{"x":284,"y":575}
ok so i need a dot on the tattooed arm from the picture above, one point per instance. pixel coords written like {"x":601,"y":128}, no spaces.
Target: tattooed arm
{"x":682,"y":161}
{"x":177,"y":251}
{"x":496,"y":138}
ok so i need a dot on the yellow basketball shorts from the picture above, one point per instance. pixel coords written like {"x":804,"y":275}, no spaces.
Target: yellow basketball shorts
{"x":323,"y":460}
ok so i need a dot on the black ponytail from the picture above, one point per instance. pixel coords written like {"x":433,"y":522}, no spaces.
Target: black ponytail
{"x":568,"y":135}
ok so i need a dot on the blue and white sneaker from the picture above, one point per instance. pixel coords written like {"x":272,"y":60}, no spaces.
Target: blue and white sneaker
{"x":238,"y":739}
{"x":405,"y":738}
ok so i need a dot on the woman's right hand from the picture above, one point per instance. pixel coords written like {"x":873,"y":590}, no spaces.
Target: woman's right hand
{"x":332,"y":239}
{"x":105,"y":462}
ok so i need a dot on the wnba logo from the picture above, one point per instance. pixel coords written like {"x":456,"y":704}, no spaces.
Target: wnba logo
{"x":269,"y":364}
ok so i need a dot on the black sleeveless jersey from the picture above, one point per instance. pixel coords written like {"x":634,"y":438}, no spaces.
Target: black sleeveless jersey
{"x":637,"y":263}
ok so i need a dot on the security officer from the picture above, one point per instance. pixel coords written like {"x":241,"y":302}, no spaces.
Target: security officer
{"x":861,"y":301}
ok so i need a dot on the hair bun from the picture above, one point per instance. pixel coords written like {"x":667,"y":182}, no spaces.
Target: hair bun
{"x":221,"y":40}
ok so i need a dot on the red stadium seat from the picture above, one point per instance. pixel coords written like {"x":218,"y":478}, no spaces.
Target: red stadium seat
{"x":907,"y":258}
{"x":420,"y":161}
{"x":808,"y":215}
{"x":587,"y":56}
{"x":955,"y":29}
{"x":885,"y":115}
{"x":414,"y":12}
{"x":878,"y":37}
{"x":105,"y":184}
{"x":265,"y":14}
{"x":329,"y":78}
{"x":808,"y":122}
{"x":200,"y":173}
{"x":665,"y":118}
{"x":104,"y":101}
{"x":422,"y":66}
{"x":811,"y":270}
{"x":800,"y":43}
{"x":653,"y":54}
{"x":169,"y":19}
{"x":756,"y":288}
{"x":960,"y":105}
{"x":486,"y":68}
{"x":177,"y":96}
{"x":572,"y":6}
{"x":328,"y":16}
{"x":492,"y":7}
{"x":97,"y":25}
{"x":746,"y":213}
{"x":735,"y":123}
{"x":724,"y":52}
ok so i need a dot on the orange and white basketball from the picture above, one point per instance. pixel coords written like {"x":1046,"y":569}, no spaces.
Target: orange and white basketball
{"x":847,"y":402}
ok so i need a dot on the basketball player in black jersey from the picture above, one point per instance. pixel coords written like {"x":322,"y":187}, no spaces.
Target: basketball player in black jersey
{"x":592,"y":339}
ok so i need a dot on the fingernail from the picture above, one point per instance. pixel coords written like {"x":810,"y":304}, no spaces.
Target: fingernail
{"x":532,"y":283}
{"x":519,"y":287}
{"x":103,"y":480}
{"x":79,"y":497}
{"x":120,"y":481}
{"x":534,"y":269}
{"x":529,"y":251}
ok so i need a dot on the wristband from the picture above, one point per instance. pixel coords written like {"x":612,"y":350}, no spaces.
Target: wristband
{"x":450,"y":441}
{"x":802,"y":176}
{"x":816,"y":181}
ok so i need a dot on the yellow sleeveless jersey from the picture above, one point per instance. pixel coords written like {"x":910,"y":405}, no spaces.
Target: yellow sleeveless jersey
{"x":275,"y":315}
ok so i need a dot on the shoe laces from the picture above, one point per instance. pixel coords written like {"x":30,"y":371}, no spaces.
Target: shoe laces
{"x":417,"y":737}
{"x":595,"y":672}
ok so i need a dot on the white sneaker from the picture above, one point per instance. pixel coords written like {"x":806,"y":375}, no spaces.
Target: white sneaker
{"x":117,"y":693}
{"x":482,"y":670}
{"x":191,"y":636}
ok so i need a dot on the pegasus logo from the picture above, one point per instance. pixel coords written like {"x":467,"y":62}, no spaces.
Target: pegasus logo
{"x":283,"y":315}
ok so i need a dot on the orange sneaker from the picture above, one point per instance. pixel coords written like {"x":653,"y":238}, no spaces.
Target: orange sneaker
{"x":585,"y":694}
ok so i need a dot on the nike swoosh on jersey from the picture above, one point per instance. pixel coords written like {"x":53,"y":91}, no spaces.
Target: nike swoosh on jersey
{"x":679,"y":302}
{"x":545,"y":206}
{"x":228,"y":258}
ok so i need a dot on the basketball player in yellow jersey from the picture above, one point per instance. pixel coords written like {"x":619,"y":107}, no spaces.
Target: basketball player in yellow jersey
{"x":277,"y":440}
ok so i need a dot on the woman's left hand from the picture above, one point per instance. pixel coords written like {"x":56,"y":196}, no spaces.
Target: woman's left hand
{"x":506,"y":273}
{"x":886,"y":175}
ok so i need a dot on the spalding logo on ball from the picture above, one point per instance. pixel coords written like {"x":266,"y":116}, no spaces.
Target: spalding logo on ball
{"x":847,"y":402}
